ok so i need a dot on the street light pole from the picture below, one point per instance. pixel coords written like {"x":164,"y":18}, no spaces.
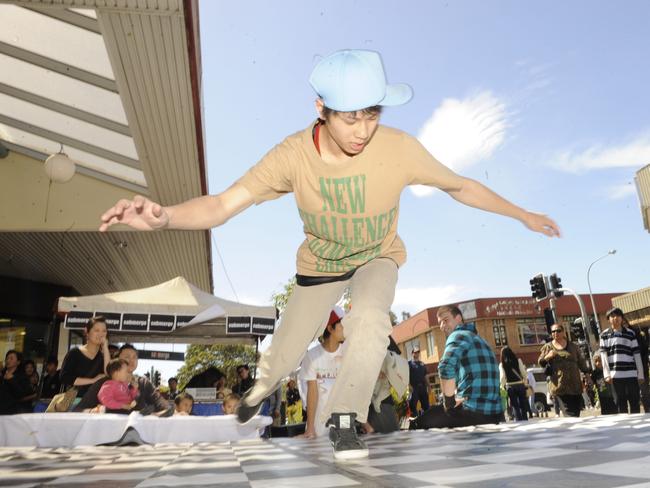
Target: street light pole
{"x":591,"y":296}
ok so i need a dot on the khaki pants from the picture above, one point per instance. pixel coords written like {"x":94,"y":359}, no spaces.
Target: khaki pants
{"x":366,"y":328}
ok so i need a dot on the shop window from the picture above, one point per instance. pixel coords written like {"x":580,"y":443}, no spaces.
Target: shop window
{"x":410,"y":345}
{"x":499,"y":331}
{"x":532,"y":331}
{"x":431,"y":344}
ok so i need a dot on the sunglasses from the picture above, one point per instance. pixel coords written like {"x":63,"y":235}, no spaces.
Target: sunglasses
{"x":553,"y":331}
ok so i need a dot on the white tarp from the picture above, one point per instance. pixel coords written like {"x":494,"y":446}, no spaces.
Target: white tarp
{"x":79,"y":429}
{"x":176,"y":300}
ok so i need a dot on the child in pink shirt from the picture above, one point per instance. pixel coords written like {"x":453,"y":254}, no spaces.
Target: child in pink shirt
{"x":117,"y":393}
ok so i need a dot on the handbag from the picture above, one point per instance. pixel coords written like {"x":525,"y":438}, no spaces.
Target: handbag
{"x":62,"y":402}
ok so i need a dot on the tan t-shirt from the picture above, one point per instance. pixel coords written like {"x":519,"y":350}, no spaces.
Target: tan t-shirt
{"x":349,"y":211}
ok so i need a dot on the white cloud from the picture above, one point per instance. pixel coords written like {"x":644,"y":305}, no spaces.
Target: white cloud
{"x":619,"y":192}
{"x":415,"y":300}
{"x":633,"y":154}
{"x":460,"y":133}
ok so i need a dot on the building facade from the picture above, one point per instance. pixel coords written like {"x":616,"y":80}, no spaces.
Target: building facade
{"x":517,"y":322}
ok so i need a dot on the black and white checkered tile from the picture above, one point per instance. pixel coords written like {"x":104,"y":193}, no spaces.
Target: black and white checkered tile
{"x":611,"y":451}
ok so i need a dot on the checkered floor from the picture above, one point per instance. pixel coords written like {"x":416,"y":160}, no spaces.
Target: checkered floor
{"x":611,"y":451}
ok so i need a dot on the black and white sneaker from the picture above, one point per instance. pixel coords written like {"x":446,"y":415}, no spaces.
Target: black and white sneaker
{"x":345,"y":441}
{"x":246,"y":412}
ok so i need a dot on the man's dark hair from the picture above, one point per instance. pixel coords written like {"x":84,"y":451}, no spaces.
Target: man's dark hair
{"x":127,"y":346}
{"x":52,"y":360}
{"x":173,"y":378}
{"x":115,"y":365}
{"x":617,"y":312}
{"x":328,"y":112}
{"x":326,"y":332}
{"x":242,"y":366}
{"x":453,"y":310}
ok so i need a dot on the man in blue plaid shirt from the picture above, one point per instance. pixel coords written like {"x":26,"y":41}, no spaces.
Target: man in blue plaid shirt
{"x":469,"y":378}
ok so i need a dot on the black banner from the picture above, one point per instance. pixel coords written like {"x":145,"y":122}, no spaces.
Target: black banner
{"x":77,"y":320}
{"x":113,"y":320}
{"x":162,"y":355}
{"x":262,"y":326}
{"x":135,"y":322}
{"x":238,"y":325}
{"x":161,"y":323}
{"x":183,"y":320}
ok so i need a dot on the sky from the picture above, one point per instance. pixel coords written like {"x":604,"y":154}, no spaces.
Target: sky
{"x":546,"y":103}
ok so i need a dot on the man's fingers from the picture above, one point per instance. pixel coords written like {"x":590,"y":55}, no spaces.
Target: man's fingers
{"x":139,"y":202}
{"x":112,"y":221}
{"x":156,"y":210}
{"x":117,"y":209}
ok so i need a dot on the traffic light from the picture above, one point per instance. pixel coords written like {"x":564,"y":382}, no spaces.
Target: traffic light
{"x":156,"y":378}
{"x":556,"y":284}
{"x":538,"y":287}
{"x":578,"y":331}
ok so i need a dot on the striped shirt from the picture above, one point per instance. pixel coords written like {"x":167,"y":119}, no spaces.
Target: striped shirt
{"x":620,"y":354}
{"x":470,"y":361}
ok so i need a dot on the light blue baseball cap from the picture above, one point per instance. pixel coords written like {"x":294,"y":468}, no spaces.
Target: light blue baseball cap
{"x":354,"y":79}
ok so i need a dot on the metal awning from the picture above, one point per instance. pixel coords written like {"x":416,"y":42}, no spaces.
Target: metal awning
{"x":117,"y":84}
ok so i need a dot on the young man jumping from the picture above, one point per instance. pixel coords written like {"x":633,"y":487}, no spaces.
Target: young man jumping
{"x":347,"y":173}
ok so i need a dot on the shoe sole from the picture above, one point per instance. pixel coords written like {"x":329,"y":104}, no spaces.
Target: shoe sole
{"x":257,"y":411}
{"x":350,"y":455}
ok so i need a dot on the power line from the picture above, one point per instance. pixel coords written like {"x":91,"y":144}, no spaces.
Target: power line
{"x":223,"y":265}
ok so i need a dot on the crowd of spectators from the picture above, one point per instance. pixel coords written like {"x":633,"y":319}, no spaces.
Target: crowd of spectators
{"x":101,"y":378}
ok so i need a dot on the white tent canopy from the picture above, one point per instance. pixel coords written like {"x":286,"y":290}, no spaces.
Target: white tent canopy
{"x":175,"y":312}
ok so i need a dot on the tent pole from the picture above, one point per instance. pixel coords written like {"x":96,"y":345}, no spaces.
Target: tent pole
{"x":257,"y":347}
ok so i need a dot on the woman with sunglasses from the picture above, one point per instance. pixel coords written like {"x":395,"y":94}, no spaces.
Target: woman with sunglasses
{"x":566,"y":362}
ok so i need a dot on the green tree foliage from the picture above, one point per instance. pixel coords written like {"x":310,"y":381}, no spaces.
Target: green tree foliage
{"x":280,"y":299}
{"x":393,"y":318}
{"x":200,"y":357}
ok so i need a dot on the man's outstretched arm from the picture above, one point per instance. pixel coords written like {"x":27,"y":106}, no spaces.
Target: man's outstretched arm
{"x":196,"y":214}
{"x":474,"y":194}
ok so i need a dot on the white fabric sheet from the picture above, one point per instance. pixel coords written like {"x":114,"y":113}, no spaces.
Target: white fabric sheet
{"x":78,"y":429}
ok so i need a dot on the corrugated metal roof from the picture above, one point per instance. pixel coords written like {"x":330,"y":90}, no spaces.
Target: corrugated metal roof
{"x":636,"y":300}
{"x":117,"y":83}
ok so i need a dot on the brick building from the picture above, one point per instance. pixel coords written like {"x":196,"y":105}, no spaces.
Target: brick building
{"x":517,"y":322}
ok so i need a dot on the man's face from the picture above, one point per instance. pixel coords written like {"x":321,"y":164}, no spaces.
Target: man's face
{"x":51,"y":368}
{"x":350,"y":131}
{"x":615,"y":321}
{"x":131,"y":357}
{"x":448,"y":322}
{"x":173,"y":384}
{"x":416,"y":355}
{"x":11,"y":361}
{"x":243,"y":373}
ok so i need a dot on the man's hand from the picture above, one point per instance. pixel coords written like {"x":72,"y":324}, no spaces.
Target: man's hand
{"x":641,"y":381}
{"x":541,"y":223}
{"x":98,"y":377}
{"x":608,"y":380}
{"x":139,"y":213}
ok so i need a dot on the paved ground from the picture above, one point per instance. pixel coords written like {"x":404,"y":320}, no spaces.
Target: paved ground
{"x":610,"y":451}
